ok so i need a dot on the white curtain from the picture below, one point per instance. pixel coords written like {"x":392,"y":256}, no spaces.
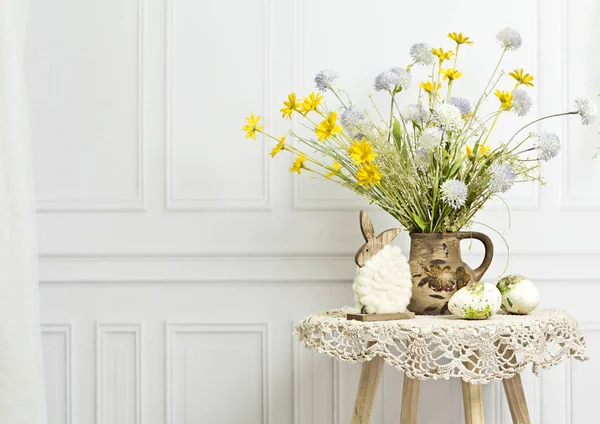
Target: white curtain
{"x":22,"y":399}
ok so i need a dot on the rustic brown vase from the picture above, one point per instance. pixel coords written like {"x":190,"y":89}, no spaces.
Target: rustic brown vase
{"x":438,"y":270}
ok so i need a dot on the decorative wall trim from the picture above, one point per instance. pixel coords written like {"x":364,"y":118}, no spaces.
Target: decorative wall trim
{"x":175,"y":204}
{"x":138,"y":203}
{"x":104,"y":330}
{"x":587,"y":327}
{"x":172,"y":329}
{"x":568,"y":202}
{"x":65,"y":331}
{"x":300,"y":202}
{"x":297,"y":404}
{"x":341,"y":269}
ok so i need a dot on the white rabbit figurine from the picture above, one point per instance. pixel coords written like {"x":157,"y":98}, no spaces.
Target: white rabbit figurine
{"x":383,"y":282}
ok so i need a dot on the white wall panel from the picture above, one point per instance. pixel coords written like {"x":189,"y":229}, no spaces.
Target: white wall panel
{"x":56,"y":343}
{"x":582,"y":79}
{"x":118,"y":373}
{"x":217,"y":373}
{"x":316,"y":387}
{"x":582,"y":381}
{"x":217,"y":69}
{"x":136,"y":105}
{"x":84,"y":74}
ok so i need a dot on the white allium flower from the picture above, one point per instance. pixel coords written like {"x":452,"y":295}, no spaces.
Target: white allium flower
{"x":421,"y":54}
{"x":422,"y":160}
{"x":547,"y":145}
{"x":509,"y":38}
{"x":386,"y":81}
{"x":324,"y":80}
{"x":430,"y":138}
{"x":404,"y":77}
{"x":462,"y":104}
{"x":352,"y":117}
{"x":449,"y":116}
{"x":586,"y":109}
{"x":414,"y":113}
{"x":503,"y":177}
{"x":521,"y":102}
{"x":454,"y":193}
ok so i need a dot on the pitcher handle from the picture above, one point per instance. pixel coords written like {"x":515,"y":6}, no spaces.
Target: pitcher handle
{"x":489,"y":251}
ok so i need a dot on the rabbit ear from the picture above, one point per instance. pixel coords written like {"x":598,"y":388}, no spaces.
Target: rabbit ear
{"x":388,"y":235}
{"x":366,"y":226}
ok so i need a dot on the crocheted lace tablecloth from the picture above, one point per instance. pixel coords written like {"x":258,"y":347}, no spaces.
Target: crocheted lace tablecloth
{"x":432,"y":347}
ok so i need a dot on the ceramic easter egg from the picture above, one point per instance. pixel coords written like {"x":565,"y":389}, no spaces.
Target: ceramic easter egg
{"x":475,"y":301}
{"x":519,"y":294}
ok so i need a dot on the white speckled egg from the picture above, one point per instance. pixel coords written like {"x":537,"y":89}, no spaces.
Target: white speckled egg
{"x":475,"y":301}
{"x":519,"y":294}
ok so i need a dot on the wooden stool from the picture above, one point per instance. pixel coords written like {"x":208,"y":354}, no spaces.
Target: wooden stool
{"x":472,"y":397}
{"x":496,"y":347}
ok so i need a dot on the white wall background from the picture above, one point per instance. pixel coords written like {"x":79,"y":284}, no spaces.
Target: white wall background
{"x":175,"y":255}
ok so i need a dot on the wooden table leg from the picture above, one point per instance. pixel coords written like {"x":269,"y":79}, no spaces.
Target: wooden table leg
{"x":513,"y":388}
{"x":473,"y":403}
{"x":367,"y":389}
{"x":516,"y":400}
{"x":410,"y":400}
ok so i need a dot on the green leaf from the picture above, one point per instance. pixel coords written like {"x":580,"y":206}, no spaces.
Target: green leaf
{"x":509,"y":302}
{"x":475,"y":149}
{"x":455,"y":167}
{"x":397,"y":132}
{"x":419,"y":222}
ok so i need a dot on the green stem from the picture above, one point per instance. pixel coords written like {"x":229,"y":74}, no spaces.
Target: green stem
{"x":390,"y":124}
{"x":339,"y":98}
{"x":492,"y":127}
{"x":541,"y":119}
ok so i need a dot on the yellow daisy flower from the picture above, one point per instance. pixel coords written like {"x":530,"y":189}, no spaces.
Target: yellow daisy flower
{"x":252,"y":126}
{"x":505,"y":98}
{"x":362,"y":151}
{"x":298,"y":164}
{"x":522,"y":77}
{"x":451,"y":74}
{"x":368,"y":175}
{"x":441,"y":54}
{"x":278,"y":147}
{"x":459,"y":38}
{"x":310,"y":103}
{"x":291,"y":105}
{"x":430,"y":87}
{"x":335,"y":167}
{"x":483,"y":150}
{"x":328,"y":127}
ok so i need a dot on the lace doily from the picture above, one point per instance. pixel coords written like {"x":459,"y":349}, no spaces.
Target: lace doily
{"x":432,"y":347}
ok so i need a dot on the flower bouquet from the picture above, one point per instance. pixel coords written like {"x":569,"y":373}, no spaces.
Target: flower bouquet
{"x":433,"y":163}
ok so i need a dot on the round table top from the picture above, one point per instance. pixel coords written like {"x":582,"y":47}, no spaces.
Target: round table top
{"x":431,"y":347}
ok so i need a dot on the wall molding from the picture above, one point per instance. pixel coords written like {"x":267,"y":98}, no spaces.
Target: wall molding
{"x":176,"y":204}
{"x":138,"y":203}
{"x":297,"y":404}
{"x":586,"y":327}
{"x":90,"y":269}
{"x":299,"y":200}
{"x":65,"y":331}
{"x":568,"y":202}
{"x":173,"y":328}
{"x":103,"y":330}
